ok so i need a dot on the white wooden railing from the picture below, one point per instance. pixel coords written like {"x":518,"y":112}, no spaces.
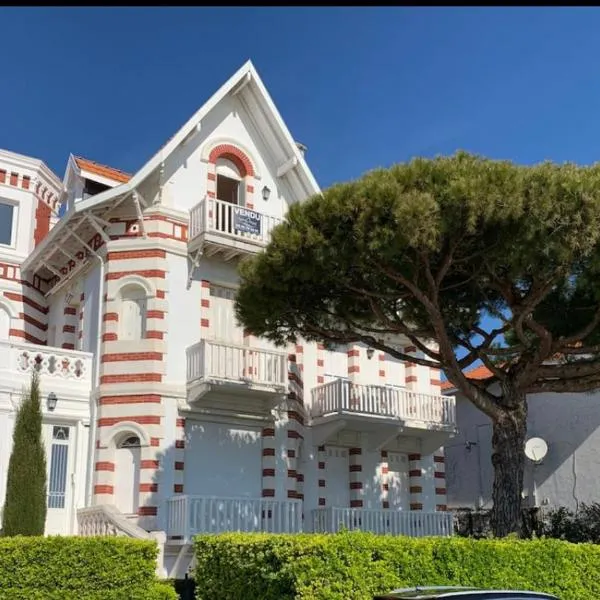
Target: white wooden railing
{"x":209,"y":360}
{"x":383,"y":521}
{"x":382,"y":401}
{"x":55,"y":363}
{"x":227,"y":219}
{"x":190,"y":515}
{"x":106,"y":519}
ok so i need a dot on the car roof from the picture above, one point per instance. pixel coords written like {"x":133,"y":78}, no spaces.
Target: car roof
{"x":461,"y":592}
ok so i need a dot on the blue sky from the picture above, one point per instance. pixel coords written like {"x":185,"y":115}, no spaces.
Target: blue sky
{"x":362,"y":87}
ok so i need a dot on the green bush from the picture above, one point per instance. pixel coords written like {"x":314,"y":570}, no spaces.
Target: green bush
{"x":355,"y":566}
{"x":69,"y":568}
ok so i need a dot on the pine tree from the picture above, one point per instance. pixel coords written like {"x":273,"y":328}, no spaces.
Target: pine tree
{"x":25,"y":504}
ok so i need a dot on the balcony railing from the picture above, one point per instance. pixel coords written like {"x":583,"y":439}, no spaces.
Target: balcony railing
{"x":342,"y":396}
{"x":212,"y":216}
{"x":220,"y":361}
{"x":383,"y":521}
{"x":71,"y":367}
{"x":190,"y":515}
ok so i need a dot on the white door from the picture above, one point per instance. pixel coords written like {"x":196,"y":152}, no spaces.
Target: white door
{"x":127,"y":476}
{"x":4,"y":325}
{"x":337,"y":477}
{"x":398,"y":494}
{"x":59,"y":468}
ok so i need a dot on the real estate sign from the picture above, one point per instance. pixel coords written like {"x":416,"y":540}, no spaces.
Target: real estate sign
{"x":246,"y":221}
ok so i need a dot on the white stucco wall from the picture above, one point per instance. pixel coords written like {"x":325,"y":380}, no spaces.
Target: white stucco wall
{"x":570,"y":425}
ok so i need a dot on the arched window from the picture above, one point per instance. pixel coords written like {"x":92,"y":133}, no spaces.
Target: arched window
{"x":4,"y":324}
{"x":130,"y":442}
{"x":132,"y":320}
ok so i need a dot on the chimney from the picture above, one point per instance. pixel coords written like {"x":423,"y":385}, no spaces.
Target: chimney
{"x":302,"y":148}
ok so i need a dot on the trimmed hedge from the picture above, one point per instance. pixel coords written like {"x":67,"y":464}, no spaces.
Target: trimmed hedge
{"x":82,"y":568}
{"x":355,"y":566}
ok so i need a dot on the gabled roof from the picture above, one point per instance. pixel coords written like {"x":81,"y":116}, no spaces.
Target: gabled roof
{"x":248,"y":85}
{"x":103,"y":170}
{"x":248,"y":88}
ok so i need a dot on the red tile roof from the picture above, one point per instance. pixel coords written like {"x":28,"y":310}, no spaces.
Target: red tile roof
{"x":480,"y":372}
{"x":103,"y":170}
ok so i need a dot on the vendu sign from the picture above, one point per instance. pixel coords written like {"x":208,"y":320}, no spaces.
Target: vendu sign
{"x":246,"y":221}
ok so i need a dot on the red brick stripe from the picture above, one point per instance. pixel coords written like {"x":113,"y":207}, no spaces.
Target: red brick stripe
{"x":105,"y":466}
{"x":143,"y":420}
{"x":131,"y":356}
{"x":127,"y":254}
{"x":149,"y":464}
{"x":131,"y":378}
{"x":147,"y":511}
{"x":158,"y":273}
{"x":132,"y":399}
{"x":103,"y":489}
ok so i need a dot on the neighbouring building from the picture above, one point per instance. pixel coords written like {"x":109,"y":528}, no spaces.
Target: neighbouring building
{"x":569,"y":424}
{"x":170,"y":419}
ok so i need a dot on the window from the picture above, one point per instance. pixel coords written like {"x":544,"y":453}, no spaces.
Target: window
{"x":59,"y":455}
{"x":7,"y":215}
{"x":228,"y":181}
{"x":130,"y":442}
{"x":91,"y":188}
{"x":132,"y":320}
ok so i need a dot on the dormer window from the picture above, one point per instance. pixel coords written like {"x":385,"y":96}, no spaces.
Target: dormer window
{"x":7,"y":223}
{"x":91,"y":188}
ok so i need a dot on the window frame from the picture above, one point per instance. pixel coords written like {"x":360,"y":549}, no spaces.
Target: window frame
{"x":56,"y":497}
{"x":15,"y":219}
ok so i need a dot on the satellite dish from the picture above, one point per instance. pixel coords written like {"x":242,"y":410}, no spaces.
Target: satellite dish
{"x":536,"y":449}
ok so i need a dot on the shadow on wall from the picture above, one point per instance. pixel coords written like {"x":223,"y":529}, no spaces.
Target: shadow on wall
{"x":569,"y":423}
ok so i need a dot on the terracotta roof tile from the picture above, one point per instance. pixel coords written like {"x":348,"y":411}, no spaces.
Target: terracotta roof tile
{"x":103,"y":170}
{"x":480,"y":372}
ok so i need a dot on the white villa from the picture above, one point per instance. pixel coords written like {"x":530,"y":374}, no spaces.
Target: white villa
{"x":162,"y":416}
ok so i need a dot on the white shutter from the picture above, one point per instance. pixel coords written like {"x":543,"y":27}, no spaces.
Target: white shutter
{"x":224,"y":326}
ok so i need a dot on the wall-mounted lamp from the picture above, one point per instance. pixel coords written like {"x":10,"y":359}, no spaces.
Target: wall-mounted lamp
{"x":51,"y":401}
{"x":370,"y":352}
{"x":266,"y":192}
{"x":469,"y":445}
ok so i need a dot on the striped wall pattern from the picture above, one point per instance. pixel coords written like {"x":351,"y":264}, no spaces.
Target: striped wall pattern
{"x":130,"y":370}
{"x":439,"y":475}
{"x":415,"y":481}
{"x":268,"y":462}
{"x":384,"y":475}
{"x":356,"y":477}
{"x":179,"y":457}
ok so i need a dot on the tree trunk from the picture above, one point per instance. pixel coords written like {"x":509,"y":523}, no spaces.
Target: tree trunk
{"x":508,"y":460}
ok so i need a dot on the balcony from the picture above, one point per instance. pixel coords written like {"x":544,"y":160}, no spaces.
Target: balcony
{"x":188,"y":516}
{"x":228,"y":230}
{"x":229,"y":374}
{"x":65,"y":372}
{"x":383,"y":521}
{"x":423,"y":421}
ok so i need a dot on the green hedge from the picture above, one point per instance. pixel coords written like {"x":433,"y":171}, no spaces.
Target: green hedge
{"x":69,"y":568}
{"x":355,"y":566}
